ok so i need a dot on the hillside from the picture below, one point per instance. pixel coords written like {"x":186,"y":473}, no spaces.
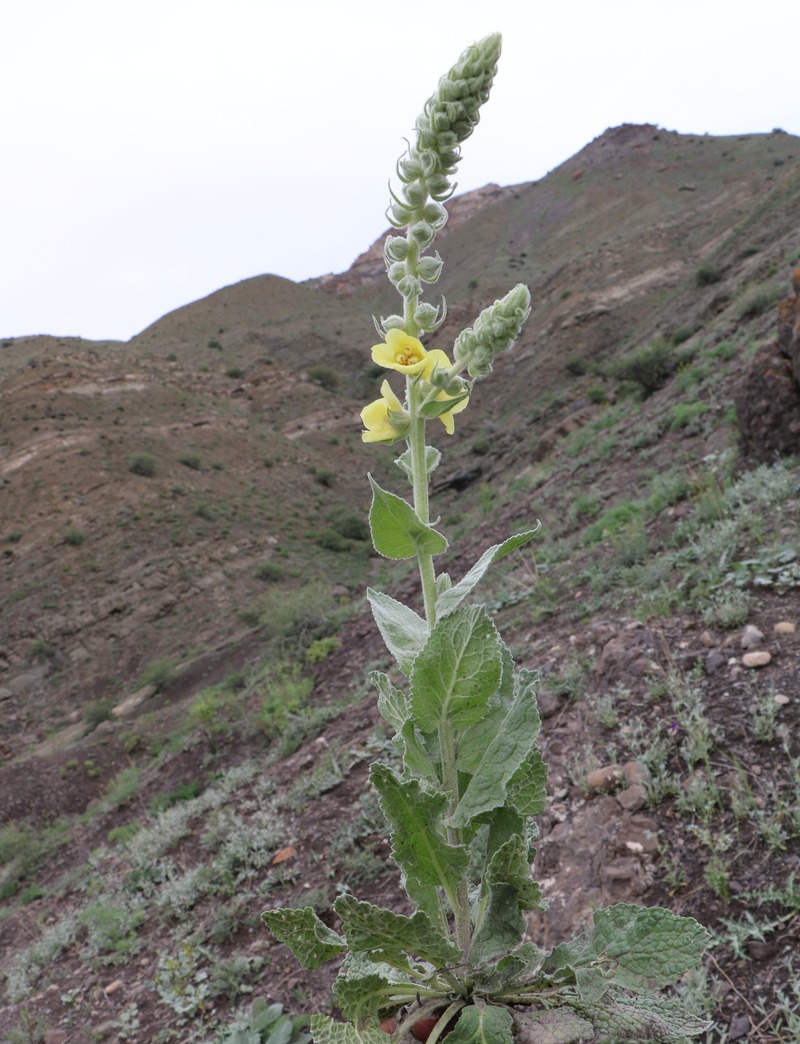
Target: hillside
{"x":184,"y":647}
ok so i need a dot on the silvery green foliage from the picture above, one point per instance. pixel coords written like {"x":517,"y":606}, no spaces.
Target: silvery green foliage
{"x":471,"y":779}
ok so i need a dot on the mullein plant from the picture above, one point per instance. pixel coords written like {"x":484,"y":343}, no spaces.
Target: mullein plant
{"x":466,"y":721}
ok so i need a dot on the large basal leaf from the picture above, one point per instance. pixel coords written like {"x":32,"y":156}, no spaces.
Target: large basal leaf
{"x":401,"y":628}
{"x":390,"y":935}
{"x":621,"y":1017}
{"x":457,"y":671}
{"x":504,"y":755}
{"x":361,"y":999}
{"x":452,"y":598}
{"x":556,"y":1026}
{"x":397,"y":530}
{"x":419,"y":848}
{"x":310,"y":939}
{"x":646,"y":946}
{"x":481,"y":1023}
{"x":326,"y":1030}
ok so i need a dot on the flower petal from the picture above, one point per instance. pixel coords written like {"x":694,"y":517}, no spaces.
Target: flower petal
{"x":400,"y":352}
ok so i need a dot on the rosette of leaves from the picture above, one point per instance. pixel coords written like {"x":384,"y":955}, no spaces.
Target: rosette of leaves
{"x":460,"y":811}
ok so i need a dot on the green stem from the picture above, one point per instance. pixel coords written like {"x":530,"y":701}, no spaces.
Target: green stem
{"x":419,"y":472}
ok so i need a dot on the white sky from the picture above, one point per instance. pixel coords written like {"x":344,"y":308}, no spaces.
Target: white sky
{"x":152,"y":151}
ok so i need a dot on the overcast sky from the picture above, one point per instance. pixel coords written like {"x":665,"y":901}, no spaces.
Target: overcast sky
{"x":156,"y":150}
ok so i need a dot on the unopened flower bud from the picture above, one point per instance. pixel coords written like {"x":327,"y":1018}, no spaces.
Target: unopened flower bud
{"x":422,"y":233}
{"x":415,"y":193}
{"x":426,"y":316}
{"x":429,"y":268}
{"x":396,"y":248}
{"x":495,"y":330}
{"x":435,"y":214}
{"x":396,"y":272}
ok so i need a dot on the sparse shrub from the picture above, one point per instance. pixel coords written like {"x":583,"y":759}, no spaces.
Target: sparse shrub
{"x":111,"y":929}
{"x":681,"y":334}
{"x":707,"y":274}
{"x":143,"y":464}
{"x":322,"y":648}
{"x":183,"y":792}
{"x":203,"y":509}
{"x":326,"y":376}
{"x":686,"y":415}
{"x":330,"y":540}
{"x":123,"y":786}
{"x":270,"y":572}
{"x":191,"y":460}
{"x":293,"y":619}
{"x":576,"y":367}
{"x":214,"y":345}
{"x":161,"y":673}
{"x":234,"y":372}
{"x":121,"y":835}
{"x":74,"y":537}
{"x":41,"y":651}
{"x":649,"y":369}
{"x":324,"y":476}
{"x":757,"y":301}
{"x":96,"y":712}
{"x":596,"y":395}
{"x":349,"y":525}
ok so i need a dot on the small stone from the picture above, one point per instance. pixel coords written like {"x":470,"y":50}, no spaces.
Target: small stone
{"x":751,"y":637}
{"x":55,"y":1036}
{"x":633,"y":798}
{"x":634,"y":772}
{"x":714,"y":661}
{"x":739,"y":1027}
{"x":706,"y":639}
{"x":784,"y":627}
{"x":607,"y":778}
{"x":760,"y":658}
{"x":781,"y":700}
{"x":113,"y":987}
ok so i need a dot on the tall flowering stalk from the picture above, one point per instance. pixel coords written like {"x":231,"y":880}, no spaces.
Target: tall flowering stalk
{"x":471,"y":777}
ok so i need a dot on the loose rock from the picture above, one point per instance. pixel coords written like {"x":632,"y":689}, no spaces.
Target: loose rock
{"x":751,"y":638}
{"x":784,"y":627}
{"x":759,"y":658}
{"x":607,"y":778}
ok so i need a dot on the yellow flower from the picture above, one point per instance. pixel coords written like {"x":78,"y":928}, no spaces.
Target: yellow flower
{"x":385,"y":418}
{"x":400,"y":352}
{"x":447,"y":418}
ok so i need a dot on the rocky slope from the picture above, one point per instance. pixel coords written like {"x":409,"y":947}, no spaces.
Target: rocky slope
{"x":183,"y":513}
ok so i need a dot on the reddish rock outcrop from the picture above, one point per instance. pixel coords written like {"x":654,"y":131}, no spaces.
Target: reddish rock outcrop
{"x":768,"y":399}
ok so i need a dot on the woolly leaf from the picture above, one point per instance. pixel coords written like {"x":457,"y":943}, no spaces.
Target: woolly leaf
{"x":392,"y":703}
{"x":389,"y":935}
{"x":483,"y":1024}
{"x":310,"y":939}
{"x":646,"y":947}
{"x":452,"y":598}
{"x":397,"y":530}
{"x":362,"y":998}
{"x":326,"y":1030}
{"x":401,"y":628}
{"x":419,"y":848}
{"x":556,"y":1026}
{"x":504,"y":755}
{"x":457,"y":671}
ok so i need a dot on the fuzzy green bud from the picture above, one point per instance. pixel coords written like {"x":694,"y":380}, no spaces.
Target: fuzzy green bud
{"x":429,"y":268}
{"x":396,"y":272}
{"x":495,"y":330}
{"x":422,"y":233}
{"x":426,"y":316}
{"x":396,"y":248}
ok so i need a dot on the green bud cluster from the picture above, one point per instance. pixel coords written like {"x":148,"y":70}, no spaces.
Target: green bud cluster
{"x":449,"y":117}
{"x":495,"y":330}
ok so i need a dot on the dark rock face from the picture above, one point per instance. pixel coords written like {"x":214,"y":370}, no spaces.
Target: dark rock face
{"x":768,"y":399}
